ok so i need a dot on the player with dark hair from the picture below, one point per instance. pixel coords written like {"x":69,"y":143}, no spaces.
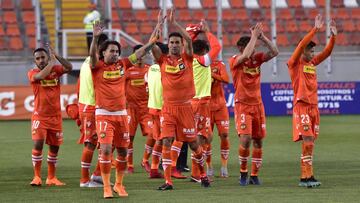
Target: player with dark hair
{"x":178,"y":90}
{"x":138,"y":112}
{"x":306,"y":117}
{"x":111,"y":116}
{"x":249,"y":109}
{"x":46,"y":120}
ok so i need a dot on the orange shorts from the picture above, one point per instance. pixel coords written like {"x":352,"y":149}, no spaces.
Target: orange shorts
{"x":156,"y":132}
{"x":178,"y":121}
{"x":113,"y":129}
{"x":201,"y":109}
{"x":220,"y":118}
{"x":250,"y":120}
{"x":88,"y":128}
{"x":48,"y":129}
{"x":140,"y":116}
{"x":306,"y":121}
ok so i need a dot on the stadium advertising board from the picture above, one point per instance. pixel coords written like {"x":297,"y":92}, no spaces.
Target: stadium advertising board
{"x":17,"y":102}
{"x":334,"y":98}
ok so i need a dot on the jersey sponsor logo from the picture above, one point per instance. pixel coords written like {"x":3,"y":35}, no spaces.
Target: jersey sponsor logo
{"x":113,"y":74}
{"x":310,"y":69}
{"x":188,"y":130}
{"x":174,"y":69}
{"x":252,"y":71}
{"x":49,"y":83}
{"x":137,"y":82}
{"x":155,"y":69}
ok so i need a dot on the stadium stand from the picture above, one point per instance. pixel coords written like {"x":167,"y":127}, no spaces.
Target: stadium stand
{"x":138,"y":17}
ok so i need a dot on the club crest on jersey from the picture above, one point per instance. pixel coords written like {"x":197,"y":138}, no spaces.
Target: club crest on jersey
{"x":310,"y":69}
{"x":137,"y":82}
{"x":306,"y":127}
{"x":252,"y":71}
{"x":243,"y":126}
{"x":49,"y":83}
{"x":102,"y":135}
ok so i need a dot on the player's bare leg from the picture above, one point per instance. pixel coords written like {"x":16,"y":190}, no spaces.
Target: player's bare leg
{"x":243,"y":158}
{"x":224,"y":147}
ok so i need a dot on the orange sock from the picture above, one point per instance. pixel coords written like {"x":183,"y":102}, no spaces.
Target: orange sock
{"x":156,"y":154}
{"x":36,"y":160}
{"x":97,"y":167}
{"x":175,"y":152}
{"x":199,"y":159}
{"x":195,"y":172}
{"x":105,"y":168}
{"x":166,"y":163}
{"x":256,"y":161}
{"x":130,"y":155}
{"x":243,"y":158}
{"x":148,"y":148}
{"x":86,"y":164}
{"x":52,"y":160}
{"x":307,"y":158}
{"x":224,"y":147}
{"x":120,"y":169}
{"x":302,"y":164}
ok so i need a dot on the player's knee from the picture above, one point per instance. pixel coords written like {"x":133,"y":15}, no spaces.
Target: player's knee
{"x":167,"y":142}
{"x":122,"y":151}
{"x":54,"y":149}
{"x":90,"y":146}
{"x":224,"y":136}
{"x":257,"y":143}
{"x":106,"y":149}
{"x":308,"y":138}
{"x":245,"y":140}
{"x":38,"y":145}
{"x":193,"y":145}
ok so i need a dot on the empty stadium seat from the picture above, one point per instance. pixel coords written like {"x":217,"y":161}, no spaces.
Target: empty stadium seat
{"x":349,"y":26}
{"x":236,"y":3}
{"x":337,"y":3}
{"x":240,"y":14}
{"x":2,"y":32}
{"x":355,"y":13}
{"x":341,"y":39}
{"x":294,"y":3}
{"x":141,"y":15}
{"x":153,"y":15}
{"x":291,"y":26}
{"x":208,"y":4}
{"x":115,"y":17}
{"x":7,"y":4}
{"x":152,"y":4}
{"x":226,"y":40}
{"x":212,"y":15}
{"x":9,"y":17}
{"x":184,"y":15}
{"x":16,"y":44}
{"x":30,"y":30}
{"x":12,"y":30}
{"x":180,"y":4}
{"x":256,"y":14}
{"x":124,"y":4}
{"x":342,"y":13}
{"x":282,"y":40}
{"x":28,"y":16}
{"x":198,"y":15}
{"x":300,"y":14}
{"x":265,"y":3}
{"x":227,"y":14}
{"x":320,"y":3}
{"x":26,"y":5}
{"x":2,"y":43}
{"x":126,"y":15}
{"x":284,"y":14}
{"x":147,"y":28}
{"x":31,"y":42}
{"x":305,"y":26}
{"x":131,"y":28}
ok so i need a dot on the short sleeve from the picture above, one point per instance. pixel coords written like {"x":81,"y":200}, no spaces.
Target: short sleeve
{"x":31,"y":74}
{"x":58,"y":69}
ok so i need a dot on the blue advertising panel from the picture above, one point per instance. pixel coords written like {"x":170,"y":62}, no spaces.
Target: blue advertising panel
{"x":334,"y":98}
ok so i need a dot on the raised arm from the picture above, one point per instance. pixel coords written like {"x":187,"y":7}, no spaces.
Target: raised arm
{"x":156,"y":51}
{"x":65,"y":63}
{"x":255,"y":33}
{"x":305,"y":41}
{"x":273,"y":50}
{"x":329,"y":47}
{"x":182,"y":31}
{"x":97,"y":30}
{"x":47,"y":70}
{"x":215,"y":46}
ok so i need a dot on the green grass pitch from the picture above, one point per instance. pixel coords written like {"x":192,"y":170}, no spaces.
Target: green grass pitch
{"x":336,"y":165}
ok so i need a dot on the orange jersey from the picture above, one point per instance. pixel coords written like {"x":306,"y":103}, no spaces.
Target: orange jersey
{"x":109,"y":84}
{"x":47,"y":92}
{"x":177,"y":78}
{"x":303,"y":73}
{"x":246,"y":77}
{"x":219,"y":75}
{"x":136,"y":90}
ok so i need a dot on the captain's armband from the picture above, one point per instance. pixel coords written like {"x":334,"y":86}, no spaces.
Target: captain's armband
{"x":133,"y":59}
